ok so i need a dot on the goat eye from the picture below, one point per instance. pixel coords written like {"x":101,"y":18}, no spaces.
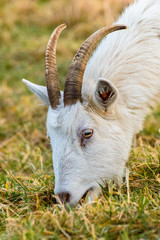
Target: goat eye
{"x":87,"y":133}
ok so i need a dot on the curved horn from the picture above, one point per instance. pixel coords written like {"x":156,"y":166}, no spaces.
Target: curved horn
{"x":73,"y":84}
{"x":51,"y":71}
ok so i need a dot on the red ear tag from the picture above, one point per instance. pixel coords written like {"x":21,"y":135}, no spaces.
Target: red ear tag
{"x":104,"y":96}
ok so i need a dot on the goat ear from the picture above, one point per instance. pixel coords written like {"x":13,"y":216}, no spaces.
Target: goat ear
{"x":105,"y":93}
{"x":39,"y":91}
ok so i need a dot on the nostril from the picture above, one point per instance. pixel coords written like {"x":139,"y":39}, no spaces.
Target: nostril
{"x":64,"y":197}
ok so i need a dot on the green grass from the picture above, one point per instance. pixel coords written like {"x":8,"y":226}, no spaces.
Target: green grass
{"x":28,"y":209}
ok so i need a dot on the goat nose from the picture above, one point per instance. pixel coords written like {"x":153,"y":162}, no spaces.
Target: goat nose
{"x":64,"y":197}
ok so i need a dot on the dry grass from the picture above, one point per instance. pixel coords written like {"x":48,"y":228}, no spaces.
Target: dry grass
{"x":27,"y":203}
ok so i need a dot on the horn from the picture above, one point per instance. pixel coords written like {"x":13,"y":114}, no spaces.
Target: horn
{"x":73,"y":84}
{"x":51,"y":71}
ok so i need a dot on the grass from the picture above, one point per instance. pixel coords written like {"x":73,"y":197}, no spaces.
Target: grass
{"x":27,"y":205}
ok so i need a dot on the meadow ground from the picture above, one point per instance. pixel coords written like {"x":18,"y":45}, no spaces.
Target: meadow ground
{"x":27,"y":203}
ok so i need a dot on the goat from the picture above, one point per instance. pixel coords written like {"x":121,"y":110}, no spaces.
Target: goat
{"x":91,"y":125}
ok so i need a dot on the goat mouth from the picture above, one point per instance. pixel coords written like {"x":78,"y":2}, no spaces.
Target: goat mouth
{"x":85,"y":195}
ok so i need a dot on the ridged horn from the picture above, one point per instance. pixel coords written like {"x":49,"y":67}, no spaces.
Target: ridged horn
{"x":73,"y":84}
{"x":51,"y":71}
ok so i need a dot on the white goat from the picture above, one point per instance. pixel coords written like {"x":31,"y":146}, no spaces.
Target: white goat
{"x":92,"y":128}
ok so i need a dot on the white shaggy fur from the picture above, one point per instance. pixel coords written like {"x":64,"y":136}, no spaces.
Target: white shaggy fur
{"x":130,"y":61}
